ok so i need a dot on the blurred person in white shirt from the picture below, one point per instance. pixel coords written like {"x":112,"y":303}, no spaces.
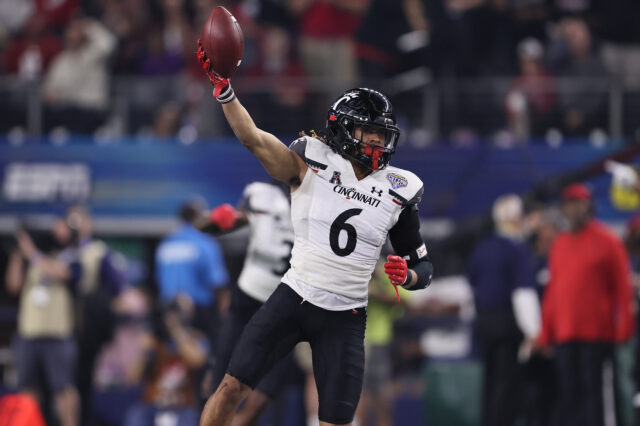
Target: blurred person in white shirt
{"x":76,"y":87}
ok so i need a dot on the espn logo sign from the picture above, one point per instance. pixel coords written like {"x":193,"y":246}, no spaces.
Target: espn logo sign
{"x":46,"y":182}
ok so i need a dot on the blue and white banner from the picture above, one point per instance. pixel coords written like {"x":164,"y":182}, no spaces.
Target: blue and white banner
{"x":129,"y":181}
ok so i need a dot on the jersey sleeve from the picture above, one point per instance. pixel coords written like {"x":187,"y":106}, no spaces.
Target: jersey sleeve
{"x":299,"y":146}
{"x":415,"y":200}
{"x":312,"y":151}
{"x":406,"y":188}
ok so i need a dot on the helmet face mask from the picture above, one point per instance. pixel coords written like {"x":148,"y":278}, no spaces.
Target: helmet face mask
{"x":362,"y":127}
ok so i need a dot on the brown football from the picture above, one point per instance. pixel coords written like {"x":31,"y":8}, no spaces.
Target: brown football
{"x":223,"y":42}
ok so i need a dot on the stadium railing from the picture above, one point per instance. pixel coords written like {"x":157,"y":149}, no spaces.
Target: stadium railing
{"x":430,"y":111}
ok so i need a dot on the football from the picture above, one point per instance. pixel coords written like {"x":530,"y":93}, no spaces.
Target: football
{"x":223,"y":41}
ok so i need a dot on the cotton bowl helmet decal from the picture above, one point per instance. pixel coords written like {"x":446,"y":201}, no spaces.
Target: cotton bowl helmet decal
{"x":368,"y":111}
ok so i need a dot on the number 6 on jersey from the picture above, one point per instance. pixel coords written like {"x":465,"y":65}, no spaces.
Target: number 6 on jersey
{"x":339,"y":225}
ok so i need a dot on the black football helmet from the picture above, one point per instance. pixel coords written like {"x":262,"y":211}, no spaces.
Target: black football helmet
{"x":360,"y":112}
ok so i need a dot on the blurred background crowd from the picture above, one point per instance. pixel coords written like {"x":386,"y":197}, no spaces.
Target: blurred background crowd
{"x":466,"y":70}
{"x":111,"y":146}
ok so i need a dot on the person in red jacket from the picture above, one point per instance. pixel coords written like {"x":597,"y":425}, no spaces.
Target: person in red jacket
{"x":587,"y":309}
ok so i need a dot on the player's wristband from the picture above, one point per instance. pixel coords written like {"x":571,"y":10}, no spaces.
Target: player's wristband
{"x":227,"y":95}
{"x":407,"y":279}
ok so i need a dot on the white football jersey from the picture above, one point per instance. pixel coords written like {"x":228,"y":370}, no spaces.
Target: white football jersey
{"x":270,"y":241}
{"x":341,"y":224}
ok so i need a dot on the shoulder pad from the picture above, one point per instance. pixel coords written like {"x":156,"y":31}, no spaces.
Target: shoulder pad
{"x":404,"y":186}
{"x":313,"y":151}
{"x":299,"y":146}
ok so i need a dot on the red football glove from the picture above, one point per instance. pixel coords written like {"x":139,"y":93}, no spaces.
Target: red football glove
{"x":396,"y":269}
{"x":224,"y":216}
{"x":222,"y":90}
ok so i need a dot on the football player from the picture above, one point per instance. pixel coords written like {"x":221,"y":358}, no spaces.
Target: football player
{"x":345,"y":200}
{"x":265,"y":207}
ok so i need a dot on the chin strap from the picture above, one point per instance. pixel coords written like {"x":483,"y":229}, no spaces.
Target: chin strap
{"x":375,"y":153}
{"x":376,"y":157}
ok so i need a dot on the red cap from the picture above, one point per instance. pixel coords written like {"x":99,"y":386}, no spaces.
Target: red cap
{"x":576,"y":191}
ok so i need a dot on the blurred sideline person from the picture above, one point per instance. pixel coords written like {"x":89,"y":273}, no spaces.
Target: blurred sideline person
{"x":22,"y":409}
{"x":587,"y":309}
{"x":190,"y":263}
{"x":45,"y":341}
{"x":531,"y":99}
{"x":345,"y":200}
{"x":99,"y":282}
{"x":632,"y":241}
{"x":539,"y":369}
{"x":176,"y":351}
{"x":502,"y":277}
{"x":266,"y":208}
{"x":574,"y":54}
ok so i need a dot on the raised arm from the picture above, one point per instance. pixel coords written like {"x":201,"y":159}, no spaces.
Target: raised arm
{"x":276,"y":158}
{"x":52,"y":268}
{"x":187,"y":342}
{"x":281,"y":163}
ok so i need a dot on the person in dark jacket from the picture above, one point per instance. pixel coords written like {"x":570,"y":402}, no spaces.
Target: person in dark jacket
{"x":501,"y":273}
